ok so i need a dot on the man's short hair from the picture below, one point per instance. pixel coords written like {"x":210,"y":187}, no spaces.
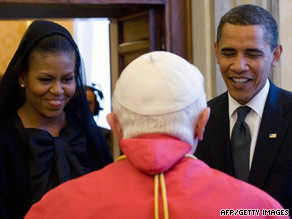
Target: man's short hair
{"x":245,"y":15}
{"x":178,"y":124}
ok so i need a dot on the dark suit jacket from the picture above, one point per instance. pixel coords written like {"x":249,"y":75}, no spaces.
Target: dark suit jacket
{"x":272,"y":161}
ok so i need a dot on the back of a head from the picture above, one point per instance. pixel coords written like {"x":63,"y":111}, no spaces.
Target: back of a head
{"x":245,"y":15}
{"x":159,"y":92}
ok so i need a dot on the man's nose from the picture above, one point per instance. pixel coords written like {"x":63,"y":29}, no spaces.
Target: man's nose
{"x":240,"y":64}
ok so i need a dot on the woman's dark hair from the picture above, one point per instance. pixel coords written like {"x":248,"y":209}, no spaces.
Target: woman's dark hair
{"x":42,"y":37}
{"x":45,"y":37}
{"x":49,"y":45}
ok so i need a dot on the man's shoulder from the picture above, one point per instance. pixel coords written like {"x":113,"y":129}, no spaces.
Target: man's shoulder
{"x":279,"y":98}
{"x":283,"y":92}
{"x":222,"y":98}
{"x":219,"y":104}
{"x":228,"y":186}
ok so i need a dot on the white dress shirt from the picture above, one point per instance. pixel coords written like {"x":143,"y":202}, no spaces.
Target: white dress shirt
{"x":253,"y":118}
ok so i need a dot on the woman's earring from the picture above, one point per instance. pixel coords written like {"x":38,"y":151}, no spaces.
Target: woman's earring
{"x":22,"y":85}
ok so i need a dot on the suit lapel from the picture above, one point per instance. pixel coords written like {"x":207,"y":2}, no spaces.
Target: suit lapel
{"x":219,"y":140}
{"x":267,"y":146}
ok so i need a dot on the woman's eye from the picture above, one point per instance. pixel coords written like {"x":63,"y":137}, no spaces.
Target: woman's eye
{"x":45,"y":79}
{"x":68,"y":79}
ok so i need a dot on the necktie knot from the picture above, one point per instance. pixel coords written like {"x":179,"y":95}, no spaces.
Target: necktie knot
{"x":242,"y":111}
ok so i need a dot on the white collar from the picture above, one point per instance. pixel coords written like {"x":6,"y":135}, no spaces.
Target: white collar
{"x":257,"y":103}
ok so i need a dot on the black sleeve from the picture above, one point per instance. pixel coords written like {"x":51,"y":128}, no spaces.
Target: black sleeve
{"x":14,"y":175}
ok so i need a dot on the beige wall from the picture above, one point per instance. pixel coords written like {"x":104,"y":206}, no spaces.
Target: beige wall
{"x":203,"y":41}
{"x":285,"y":78}
{"x":11,"y":34}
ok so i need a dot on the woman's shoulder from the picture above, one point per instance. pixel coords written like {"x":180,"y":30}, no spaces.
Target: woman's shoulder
{"x":10,"y":138}
{"x":8,"y":122}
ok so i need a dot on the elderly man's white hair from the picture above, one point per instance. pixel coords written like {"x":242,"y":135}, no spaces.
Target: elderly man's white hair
{"x":159,"y":92}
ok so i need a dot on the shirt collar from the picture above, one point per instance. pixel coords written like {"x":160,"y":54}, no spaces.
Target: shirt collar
{"x":257,"y":103}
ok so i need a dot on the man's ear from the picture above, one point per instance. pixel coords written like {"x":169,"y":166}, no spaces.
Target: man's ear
{"x":201,"y":123}
{"x":216,"y":51}
{"x":114,"y":123}
{"x":277,"y":54}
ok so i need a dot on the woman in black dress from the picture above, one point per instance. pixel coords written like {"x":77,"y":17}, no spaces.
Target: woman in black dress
{"x":47,"y":132}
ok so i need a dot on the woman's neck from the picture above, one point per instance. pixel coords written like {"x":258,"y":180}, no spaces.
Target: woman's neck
{"x":33,"y":119}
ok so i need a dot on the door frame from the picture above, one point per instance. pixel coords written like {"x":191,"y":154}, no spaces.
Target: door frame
{"x":177,"y":15}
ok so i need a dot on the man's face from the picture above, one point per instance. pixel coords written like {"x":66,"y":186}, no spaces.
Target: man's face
{"x":245,"y":60}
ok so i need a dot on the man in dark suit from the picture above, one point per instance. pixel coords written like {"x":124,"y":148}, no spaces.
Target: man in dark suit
{"x":246,"y":49}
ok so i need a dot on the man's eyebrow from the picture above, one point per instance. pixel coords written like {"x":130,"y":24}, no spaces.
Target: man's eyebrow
{"x":227,"y":49}
{"x":254,"y":50}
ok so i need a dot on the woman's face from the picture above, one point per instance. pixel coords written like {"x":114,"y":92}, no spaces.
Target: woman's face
{"x":49,"y":83}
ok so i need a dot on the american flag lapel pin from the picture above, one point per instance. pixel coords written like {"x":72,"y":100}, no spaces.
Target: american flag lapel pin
{"x":273,"y":135}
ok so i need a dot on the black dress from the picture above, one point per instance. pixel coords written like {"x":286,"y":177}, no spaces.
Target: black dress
{"x":33,"y":162}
